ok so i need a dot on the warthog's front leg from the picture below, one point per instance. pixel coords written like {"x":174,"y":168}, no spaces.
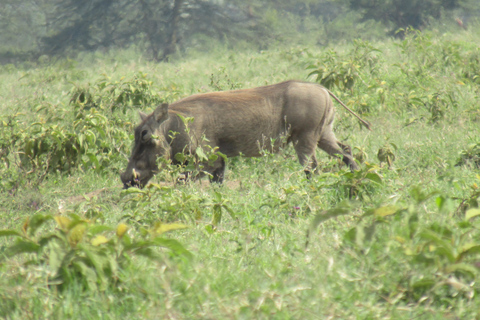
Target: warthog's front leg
{"x":217,"y":171}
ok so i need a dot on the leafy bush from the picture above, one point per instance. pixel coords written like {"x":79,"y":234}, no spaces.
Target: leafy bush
{"x":10,"y":175}
{"x":332,"y":70}
{"x":439,"y":260}
{"x":82,"y":251}
{"x":221,"y":81}
{"x":92,"y":141}
{"x":175,"y":204}
{"x":361,"y":184}
{"x":470,"y":155}
{"x":119,"y":95}
{"x":471,"y":66}
{"x":96,"y":138}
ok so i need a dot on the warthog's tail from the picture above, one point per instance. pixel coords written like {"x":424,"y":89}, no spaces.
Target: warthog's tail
{"x":365,"y":123}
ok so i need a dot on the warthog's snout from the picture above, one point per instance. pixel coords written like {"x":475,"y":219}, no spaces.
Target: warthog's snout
{"x":130,"y":179}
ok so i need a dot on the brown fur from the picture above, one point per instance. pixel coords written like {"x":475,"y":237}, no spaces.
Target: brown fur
{"x":239,"y":122}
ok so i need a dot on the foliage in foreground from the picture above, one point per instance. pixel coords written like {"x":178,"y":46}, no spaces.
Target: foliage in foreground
{"x":80,"y":251}
{"x":440,"y":260}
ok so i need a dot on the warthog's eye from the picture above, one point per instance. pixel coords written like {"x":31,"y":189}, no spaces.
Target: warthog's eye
{"x":144,"y":133}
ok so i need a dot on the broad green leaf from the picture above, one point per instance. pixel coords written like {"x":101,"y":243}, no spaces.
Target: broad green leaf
{"x":127,"y":242}
{"x":217,"y":197}
{"x":444,"y":247}
{"x":7,"y":233}
{"x":440,"y":230}
{"x":230,"y":211}
{"x":160,"y":228}
{"x":76,"y":234}
{"x":97,"y":261}
{"x":180,"y":157}
{"x":370,"y":231}
{"x":356,"y":235}
{"x":67,"y":260}
{"x":446,"y":252}
{"x":148,"y":252}
{"x":63,"y":222}
{"x":210,"y":229}
{"x":375,"y":177}
{"x":217,"y":215}
{"x":462,"y":267}
{"x":37,"y":221}
{"x":43,"y":241}
{"x":112,"y":261}
{"x":22,"y":246}
{"x":121,"y":229}
{"x":224,"y":157}
{"x":98,"y":240}
{"x":342,"y":208}
{"x":423,"y":284}
{"x":464,"y":224}
{"x":201,"y":154}
{"x":134,"y":245}
{"x":95,"y":229}
{"x":173,"y":245}
{"x":385,"y":211}
{"x":89,"y":275}
{"x":472,"y":213}
{"x":55,"y":256}
{"x":440,"y":201}
{"x":468,"y":249}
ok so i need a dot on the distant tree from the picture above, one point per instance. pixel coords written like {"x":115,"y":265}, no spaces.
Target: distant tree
{"x":398,"y":14}
{"x":79,"y":25}
{"x":161,"y":25}
{"x":21,"y":24}
{"x":164,"y":26}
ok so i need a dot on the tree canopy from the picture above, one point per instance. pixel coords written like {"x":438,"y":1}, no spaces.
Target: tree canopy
{"x":31,"y":28}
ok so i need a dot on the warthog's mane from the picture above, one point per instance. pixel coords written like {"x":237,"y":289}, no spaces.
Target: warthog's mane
{"x":232,"y":97}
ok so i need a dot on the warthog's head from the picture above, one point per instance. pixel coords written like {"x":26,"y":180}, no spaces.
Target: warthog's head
{"x":148,"y":147}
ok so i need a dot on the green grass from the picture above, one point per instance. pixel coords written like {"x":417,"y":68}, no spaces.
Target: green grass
{"x":364,"y":264}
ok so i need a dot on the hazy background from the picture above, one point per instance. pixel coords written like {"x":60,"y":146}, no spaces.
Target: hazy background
{"x":159,"y":29}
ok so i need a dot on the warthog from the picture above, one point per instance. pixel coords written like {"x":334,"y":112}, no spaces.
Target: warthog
{"x":239,"y":122}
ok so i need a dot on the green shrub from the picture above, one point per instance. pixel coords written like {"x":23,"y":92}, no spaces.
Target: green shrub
{"x":333,"y":70}
{"x":82,"y":251}
{"x":439,"y":260}
{"x":470,"y":155}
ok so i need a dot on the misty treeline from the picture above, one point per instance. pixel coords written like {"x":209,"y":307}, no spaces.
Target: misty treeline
{"x":32,"y":28}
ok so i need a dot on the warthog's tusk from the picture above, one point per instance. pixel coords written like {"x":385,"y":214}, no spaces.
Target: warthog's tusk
{"x":136,"y":175}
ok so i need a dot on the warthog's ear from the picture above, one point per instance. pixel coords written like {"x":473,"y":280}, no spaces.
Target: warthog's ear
{"x":142,"y":115}
{"x":161,"y":113}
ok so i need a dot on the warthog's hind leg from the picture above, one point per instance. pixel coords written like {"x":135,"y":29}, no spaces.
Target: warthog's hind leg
{"x":333,"y":147}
